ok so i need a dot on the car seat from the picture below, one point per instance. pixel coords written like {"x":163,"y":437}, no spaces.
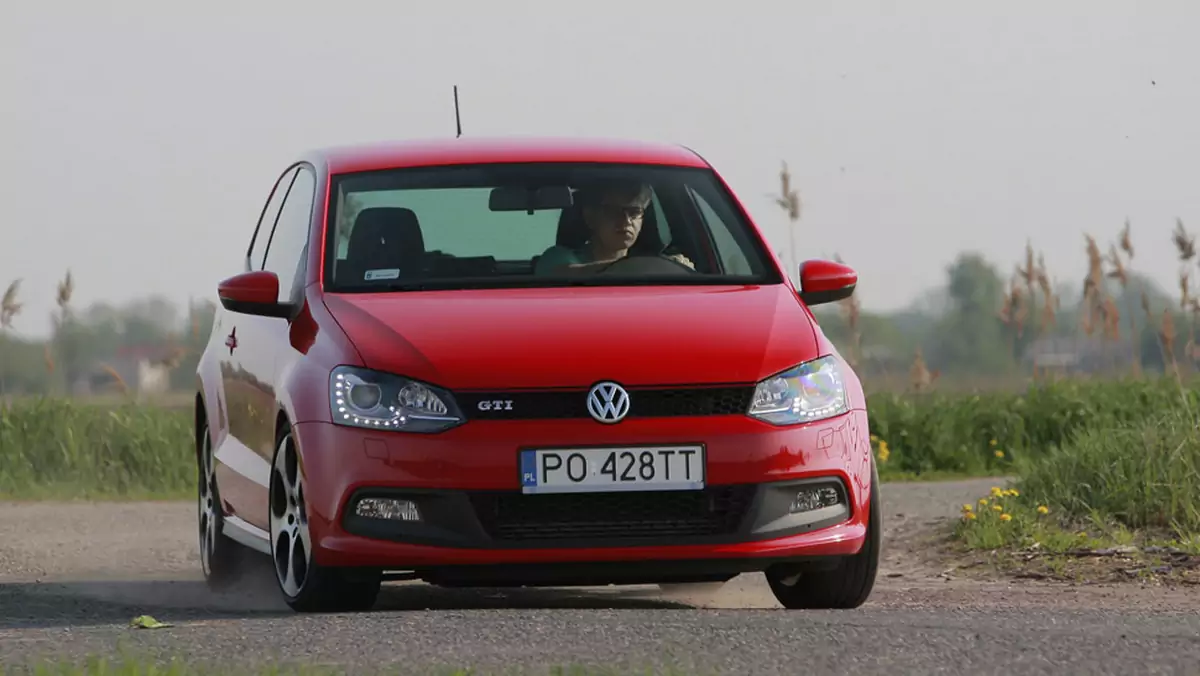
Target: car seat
{"x":387,"y":241}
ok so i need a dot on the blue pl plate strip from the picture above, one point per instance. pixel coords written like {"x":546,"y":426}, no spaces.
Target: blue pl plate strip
{"x":528,"y":469}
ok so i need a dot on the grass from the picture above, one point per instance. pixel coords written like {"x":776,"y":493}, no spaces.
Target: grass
{"x":1121,"y":499}
{"x":990,"y":434}
{"x":60,"y":448}
{"x":57,"y":448}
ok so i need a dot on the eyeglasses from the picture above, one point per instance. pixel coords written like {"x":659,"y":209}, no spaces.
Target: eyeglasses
{"x":615,"y":211}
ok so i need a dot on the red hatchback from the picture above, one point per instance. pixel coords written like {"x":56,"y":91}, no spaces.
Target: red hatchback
{"x":528,"y":362}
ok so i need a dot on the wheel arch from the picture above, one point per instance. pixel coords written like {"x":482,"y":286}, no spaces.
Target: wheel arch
{"x":199,"y":419}
{"x":282,"y":421}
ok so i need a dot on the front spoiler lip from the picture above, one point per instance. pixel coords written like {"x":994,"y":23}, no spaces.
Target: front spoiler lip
{"x":844,"y":539}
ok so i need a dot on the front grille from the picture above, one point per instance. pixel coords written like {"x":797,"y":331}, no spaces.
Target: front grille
{"x":643,"y":403}
{"x":714,"y":511}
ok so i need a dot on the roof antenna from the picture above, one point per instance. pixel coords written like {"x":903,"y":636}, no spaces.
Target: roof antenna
{"x":457,"y":118}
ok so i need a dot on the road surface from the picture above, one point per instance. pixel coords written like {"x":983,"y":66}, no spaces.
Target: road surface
{"x":73,"y":575}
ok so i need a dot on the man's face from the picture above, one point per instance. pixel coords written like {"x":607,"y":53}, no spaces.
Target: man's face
{"x":615,"y":222}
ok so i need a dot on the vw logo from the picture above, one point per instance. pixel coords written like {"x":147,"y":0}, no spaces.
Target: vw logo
{"x":608,"y":402}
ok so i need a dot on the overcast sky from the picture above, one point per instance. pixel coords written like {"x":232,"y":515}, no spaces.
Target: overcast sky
{"x":140,"y":139}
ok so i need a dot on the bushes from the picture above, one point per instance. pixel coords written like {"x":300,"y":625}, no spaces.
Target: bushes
{"x":72,"y":449}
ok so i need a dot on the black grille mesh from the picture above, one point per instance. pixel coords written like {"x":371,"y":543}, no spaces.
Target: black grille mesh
{"x":714,"y":511}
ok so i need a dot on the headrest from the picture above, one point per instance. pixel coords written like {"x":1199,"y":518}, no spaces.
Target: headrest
{"x":386,"y":242}
{"x":390,"y":228}
{"x":572,"y":231}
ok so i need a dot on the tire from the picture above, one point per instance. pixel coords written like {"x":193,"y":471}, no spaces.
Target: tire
{"x":850,"y":583}
{"x":222,"y":559}
{"x":306,"y":586}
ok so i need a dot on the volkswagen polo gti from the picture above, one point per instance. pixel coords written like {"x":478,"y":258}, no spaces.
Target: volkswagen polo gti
{"x":527,"y":362}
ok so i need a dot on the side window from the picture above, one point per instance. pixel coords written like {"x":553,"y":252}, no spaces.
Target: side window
{"x":664,"y":228}
{"x":285,"y":251}
{"x":732,"y":259}
{"x":266,"y":221}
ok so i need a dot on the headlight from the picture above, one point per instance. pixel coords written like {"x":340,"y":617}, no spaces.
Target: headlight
{"x":364,"y":398}
{"x":814,"y":390}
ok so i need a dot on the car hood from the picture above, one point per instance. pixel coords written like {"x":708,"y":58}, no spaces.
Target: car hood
{"x":497,"y":339}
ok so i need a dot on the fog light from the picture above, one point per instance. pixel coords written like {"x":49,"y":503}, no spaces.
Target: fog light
{"x":814,"y":497}
{"x":388,"y":508}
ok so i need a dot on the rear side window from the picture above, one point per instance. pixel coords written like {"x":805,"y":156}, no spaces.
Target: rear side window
{"x":266,"y":221}
{"x":285,"y":253}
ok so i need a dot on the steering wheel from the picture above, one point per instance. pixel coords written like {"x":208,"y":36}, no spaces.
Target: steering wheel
{"x":645,"y":265}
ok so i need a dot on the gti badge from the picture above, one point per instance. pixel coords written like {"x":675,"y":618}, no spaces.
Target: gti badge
{"x":495,"y":405}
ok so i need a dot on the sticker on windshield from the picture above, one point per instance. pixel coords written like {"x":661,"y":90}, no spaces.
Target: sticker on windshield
{"x":390,"y":273}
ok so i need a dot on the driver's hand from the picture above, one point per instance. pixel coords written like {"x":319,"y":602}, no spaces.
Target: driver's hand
{"x":684,"y":260}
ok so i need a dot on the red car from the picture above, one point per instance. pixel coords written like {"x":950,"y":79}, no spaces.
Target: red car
{"x":528,"y":362}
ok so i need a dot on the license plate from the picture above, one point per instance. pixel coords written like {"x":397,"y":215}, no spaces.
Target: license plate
{"x":592,"y":470}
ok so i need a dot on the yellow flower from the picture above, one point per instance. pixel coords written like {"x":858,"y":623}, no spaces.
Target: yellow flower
{"x":884,"y":452}
{"x":983,"y":501}
{"x":969,"y":516}
{"x":1042,"y":509}
{"x":874,"y":438}
{"x":966,"y":508}
{"x":996,"y":492}
{"x":997,"y":508}
{"x":999,"y":454}
{"x":1006,"y":517}
{"x":1013,"y":492}
{"x":992,"y":442}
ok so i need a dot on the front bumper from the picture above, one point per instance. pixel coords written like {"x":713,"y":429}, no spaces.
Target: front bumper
{"x":465,"y":484}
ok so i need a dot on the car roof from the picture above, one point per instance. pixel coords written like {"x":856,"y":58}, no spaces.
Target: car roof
{"x":449,"y":151}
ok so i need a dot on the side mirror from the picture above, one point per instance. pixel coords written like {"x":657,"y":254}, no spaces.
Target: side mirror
{"x":826,"y":282}
{"x":253,"y":293}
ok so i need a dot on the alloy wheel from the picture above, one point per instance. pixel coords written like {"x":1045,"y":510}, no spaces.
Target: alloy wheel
{"x":208,"y":512}
{"x":291,"y":545}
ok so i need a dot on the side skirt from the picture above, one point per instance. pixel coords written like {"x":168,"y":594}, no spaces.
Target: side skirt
{"x":247,"y":534}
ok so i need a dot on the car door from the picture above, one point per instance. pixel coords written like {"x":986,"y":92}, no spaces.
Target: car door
{"x":243,"y":473}
{"x":266,"y":339}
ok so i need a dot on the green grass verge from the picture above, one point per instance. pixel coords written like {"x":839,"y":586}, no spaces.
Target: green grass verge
{"x":1126,"y":493}
{"x":989,"y":434}
{"x":65,"y":448}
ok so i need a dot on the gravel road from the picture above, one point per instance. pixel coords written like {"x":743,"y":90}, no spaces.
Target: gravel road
{"x":73,"y":575}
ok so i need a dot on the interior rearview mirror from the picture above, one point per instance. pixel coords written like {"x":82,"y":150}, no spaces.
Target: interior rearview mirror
{"x":530,"y":198}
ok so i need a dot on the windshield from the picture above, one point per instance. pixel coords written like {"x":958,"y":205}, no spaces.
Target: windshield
{"x":494,"y":225}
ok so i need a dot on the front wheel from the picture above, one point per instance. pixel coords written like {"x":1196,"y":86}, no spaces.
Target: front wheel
{"x":306,"y":585}
{"x":846,"y":586}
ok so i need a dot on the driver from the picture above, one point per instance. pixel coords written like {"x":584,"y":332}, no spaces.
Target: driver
{"x":613,"y":212}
